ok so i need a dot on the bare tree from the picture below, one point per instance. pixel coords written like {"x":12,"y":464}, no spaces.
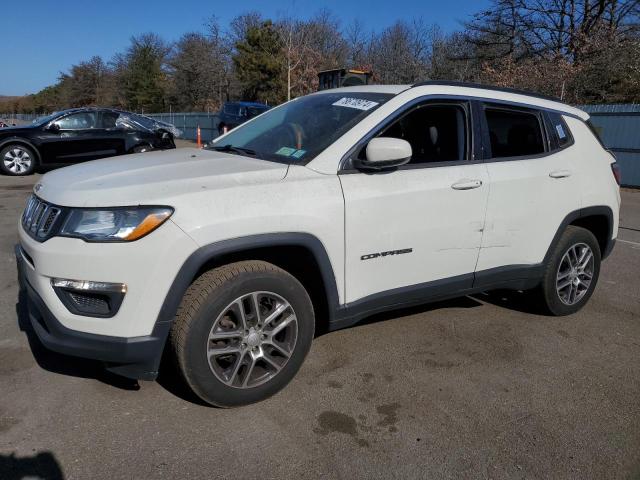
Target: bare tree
{"x":294,"y":37}
{"x":548,"y":28}
{"x":402,"y":52}
{"x":198,"y":72}
{"x":357,"y":39}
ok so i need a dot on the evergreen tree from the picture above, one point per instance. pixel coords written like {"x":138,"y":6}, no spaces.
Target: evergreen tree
{"x":259,"y":65}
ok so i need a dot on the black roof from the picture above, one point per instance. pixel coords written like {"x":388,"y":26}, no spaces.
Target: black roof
{"x":485,"y":87}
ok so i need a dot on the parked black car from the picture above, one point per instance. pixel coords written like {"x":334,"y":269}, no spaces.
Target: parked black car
{"x":80,"y":134}
{"x":235,"y":113}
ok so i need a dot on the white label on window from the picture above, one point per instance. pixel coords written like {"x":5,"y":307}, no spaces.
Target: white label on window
{"x":357,"y":103}
{"x":560,"y":131}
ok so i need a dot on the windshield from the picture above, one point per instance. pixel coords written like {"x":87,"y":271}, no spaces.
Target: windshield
{"x":298,"y":131}
{"x":46,"y":119}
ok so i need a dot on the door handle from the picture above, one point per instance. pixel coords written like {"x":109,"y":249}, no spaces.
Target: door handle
{"x":560,"y":174}
{"x":466,"y":184}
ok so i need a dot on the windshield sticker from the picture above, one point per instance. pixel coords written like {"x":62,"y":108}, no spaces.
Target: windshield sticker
{"x":357,"y":103}
{"x":286,"y":151}
{"x":560,"y":131}
{"x":290,"y":152}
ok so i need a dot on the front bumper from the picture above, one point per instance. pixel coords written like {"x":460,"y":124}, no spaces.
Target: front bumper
{"x":134,"y":357}
{"x":147,"y":267}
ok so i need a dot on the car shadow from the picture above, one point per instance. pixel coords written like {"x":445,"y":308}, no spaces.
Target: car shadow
{"x":459,"y":302}
{"x":43,"y":465}
{"x":65,"y":364}
{"x":171,"y":380}
{"x":517,"y":300}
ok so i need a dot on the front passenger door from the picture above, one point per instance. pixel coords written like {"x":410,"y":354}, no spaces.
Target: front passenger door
{"x":417,"y":229}
{"x":75,"y":139}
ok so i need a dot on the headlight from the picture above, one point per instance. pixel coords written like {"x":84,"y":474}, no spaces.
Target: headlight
{"x":115,"y":224}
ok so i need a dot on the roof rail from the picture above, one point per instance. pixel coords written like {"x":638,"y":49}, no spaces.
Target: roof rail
{"x":485,"y":87}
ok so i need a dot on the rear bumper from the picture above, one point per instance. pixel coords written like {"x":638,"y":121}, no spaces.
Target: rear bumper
{"x":134,"y":357}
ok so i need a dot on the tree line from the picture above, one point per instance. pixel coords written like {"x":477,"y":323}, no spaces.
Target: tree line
{"x":583,"y":51}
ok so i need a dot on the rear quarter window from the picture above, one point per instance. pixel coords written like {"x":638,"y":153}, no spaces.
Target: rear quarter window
{"x":597,"y":132}
{"x":559,"y":130}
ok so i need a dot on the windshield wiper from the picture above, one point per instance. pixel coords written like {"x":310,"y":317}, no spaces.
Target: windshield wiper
{"x":230,"y":148}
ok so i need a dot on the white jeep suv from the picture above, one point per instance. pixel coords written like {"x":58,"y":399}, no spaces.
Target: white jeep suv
{"x":309,"y":217}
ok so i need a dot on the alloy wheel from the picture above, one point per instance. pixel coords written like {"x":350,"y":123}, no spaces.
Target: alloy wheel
{"x":252,"y":339}
{"x":17,"y":160}
{"x":575,"y":273}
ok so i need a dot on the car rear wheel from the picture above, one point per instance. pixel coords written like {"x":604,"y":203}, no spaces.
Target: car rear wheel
{"x":572,"y":272}
{"x":142,"y":149}
{"x":17,"y":160}
{"x":242,"y":332}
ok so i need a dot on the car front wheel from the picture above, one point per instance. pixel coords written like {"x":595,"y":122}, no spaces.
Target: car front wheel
{"x":17,"y":160}
{"x":242,"y":332}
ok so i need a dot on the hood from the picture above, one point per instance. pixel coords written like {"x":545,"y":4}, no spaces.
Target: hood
{"x":17,"y":130}
{"x":153,"y":178}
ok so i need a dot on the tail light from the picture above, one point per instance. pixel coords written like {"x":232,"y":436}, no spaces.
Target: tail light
{"x":616,"y":172}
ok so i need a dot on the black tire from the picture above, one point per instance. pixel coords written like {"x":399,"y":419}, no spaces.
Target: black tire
{"x":549,"y":294}
{"x":207,"y":299}
{"x":15,"y":169}
{"x":142,"y":148}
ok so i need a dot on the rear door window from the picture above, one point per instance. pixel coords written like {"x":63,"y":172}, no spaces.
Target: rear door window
{"x":514,"y":132}
{"x":231,"y":109}
{"x":109,"y":120}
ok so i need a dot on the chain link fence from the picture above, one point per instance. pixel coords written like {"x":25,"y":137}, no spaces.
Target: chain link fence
{"x":18,"y":118}
{"x":188,"y":123}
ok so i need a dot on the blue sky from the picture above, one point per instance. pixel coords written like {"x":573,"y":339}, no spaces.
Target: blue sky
{"x":41,"y":38}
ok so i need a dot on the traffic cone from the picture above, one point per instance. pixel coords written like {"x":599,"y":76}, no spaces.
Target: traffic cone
{"x":198,"y":138}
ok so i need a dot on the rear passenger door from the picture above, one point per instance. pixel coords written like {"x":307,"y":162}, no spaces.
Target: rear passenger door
{"x":111,"y":135}
{"x":533,"y":186}
{"x":420,"y":225}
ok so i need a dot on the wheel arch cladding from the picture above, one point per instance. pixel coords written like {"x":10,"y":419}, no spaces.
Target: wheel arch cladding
{"x":597,"y":219}
{"x":293,"y":252}
{"x":601,"y":227}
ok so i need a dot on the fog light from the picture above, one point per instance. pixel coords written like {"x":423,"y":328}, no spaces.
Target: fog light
{"x":88,"y":298}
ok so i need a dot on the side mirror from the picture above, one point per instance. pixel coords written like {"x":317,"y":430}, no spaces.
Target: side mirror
{"x":386,"y":152}
{"x":53,"y":128}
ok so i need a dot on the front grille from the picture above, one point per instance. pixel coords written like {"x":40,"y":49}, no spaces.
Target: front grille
{"x":39,"y":218}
